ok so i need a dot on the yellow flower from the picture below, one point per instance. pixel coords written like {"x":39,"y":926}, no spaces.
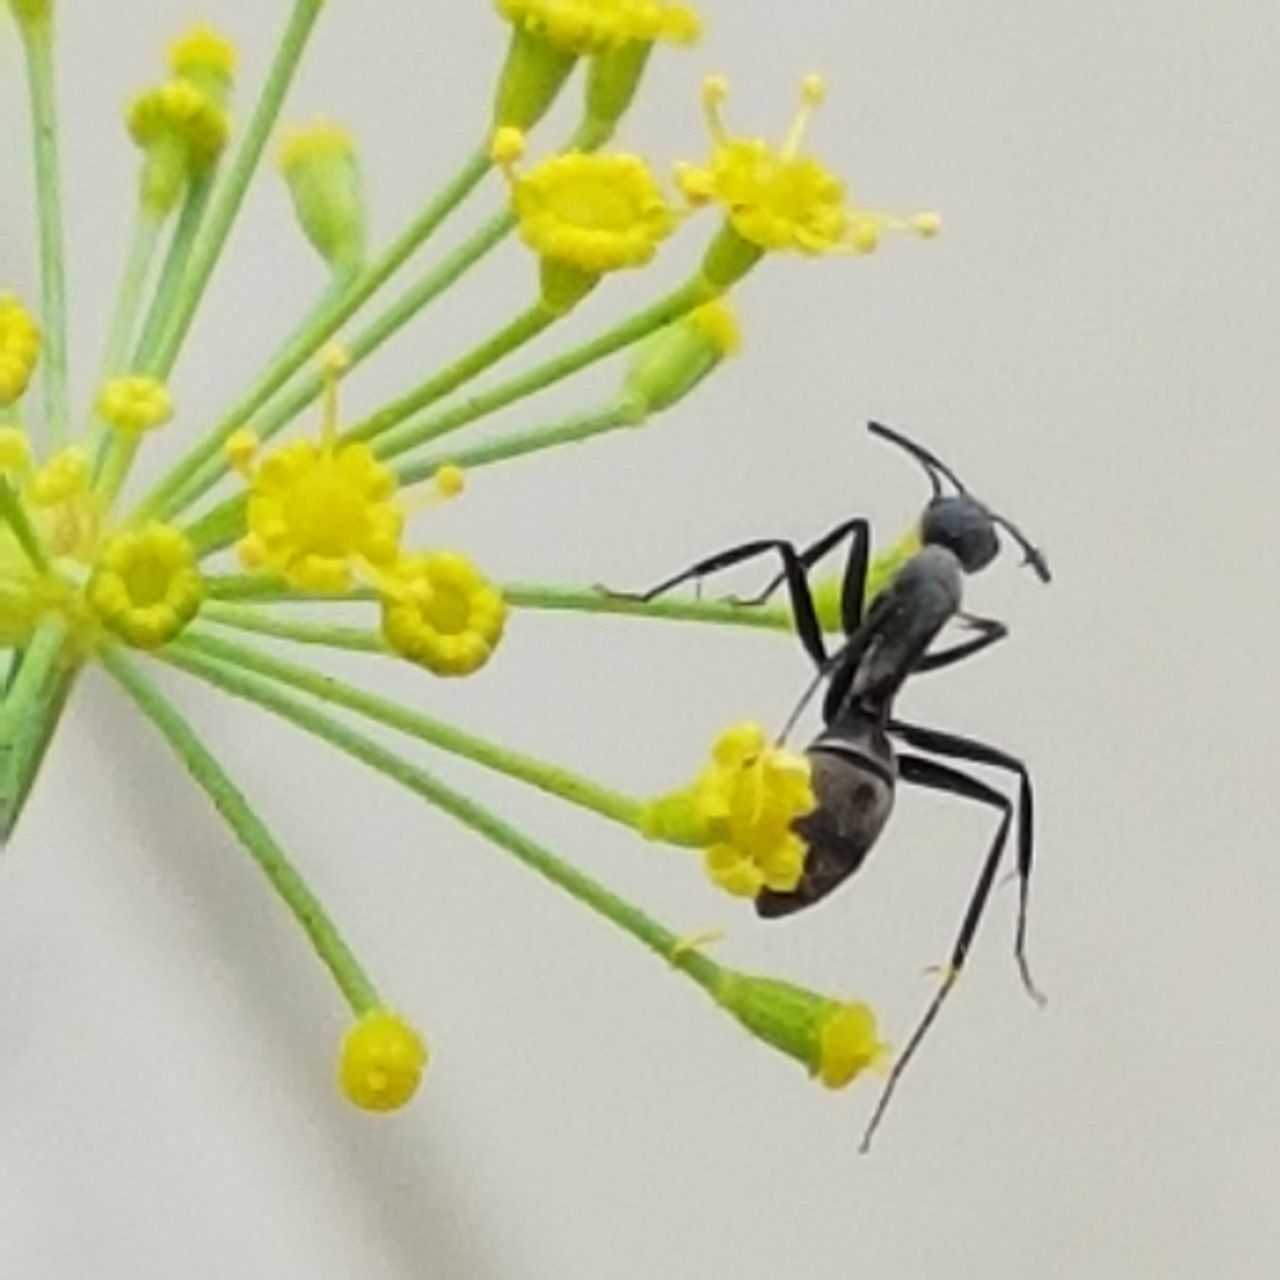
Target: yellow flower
{"x":438,"y":611}
{"x":382,"y":1061}
{"x":63,"y":477}
{"x":179,"y":112}
{"x":739,"y":810}
{"x":778,"y":199}
{"x":588,"y":26}
{"x":19,"y":348}
{"x":15,"y":451}
{"x":134,"y":404}
{"x":594,"y":213}
{"x":848,"y":1045}
{"x":319,"y":512}
{"x":146,"y":585}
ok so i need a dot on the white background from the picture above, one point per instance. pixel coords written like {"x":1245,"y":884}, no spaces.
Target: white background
{"x":1091,"y":343}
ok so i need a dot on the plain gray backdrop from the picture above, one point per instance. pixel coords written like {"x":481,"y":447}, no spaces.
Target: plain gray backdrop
{"x":1091,"y":343}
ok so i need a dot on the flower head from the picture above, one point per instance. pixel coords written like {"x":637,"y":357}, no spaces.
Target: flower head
{"x":740,"y":809}
{"x":590,"y":214}
{"x":19,"y":348}
{"x":588,"y":26}
{"x":178,"y":111}
{"x":438,"y":611}
{"x":183,"y":129}
{"x":64,"y":476}
{"x":134,"y":404}
{"x":778,"y":199}
{"x":382,"y":1061}
{"x":318,"y":512}
{"x":146,"y":585}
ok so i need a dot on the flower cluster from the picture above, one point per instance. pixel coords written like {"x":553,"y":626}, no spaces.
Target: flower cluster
{"x":740,"y":810}
{"x":192,"y":570}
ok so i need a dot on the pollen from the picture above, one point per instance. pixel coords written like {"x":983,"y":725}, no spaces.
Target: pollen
{"x":134,"y":404}
{"x":146,"y":585}
{"x":439,"y":612}
{"x":19,"y":348}
{"x":595,"y":213}
{"x":382,"y":1061}
{"x":779,"y":199}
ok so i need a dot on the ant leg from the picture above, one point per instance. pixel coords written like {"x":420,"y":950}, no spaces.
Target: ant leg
{"x":922,"y":772}
{"x":793,"y":574}
{"x":989,"y":632}
{"x":950,"y":744}
{"x":854,"y":583}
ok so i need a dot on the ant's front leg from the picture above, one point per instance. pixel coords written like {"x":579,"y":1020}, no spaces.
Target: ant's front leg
{"x":989,"y":632}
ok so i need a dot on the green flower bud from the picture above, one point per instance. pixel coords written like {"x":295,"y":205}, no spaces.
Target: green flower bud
{"x":676,"y":359}
{"x":531,"y":78}
{"x":834,"y":1040}
{"x":320,"y":165}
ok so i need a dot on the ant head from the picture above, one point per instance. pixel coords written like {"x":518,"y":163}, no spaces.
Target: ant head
{"x":958,"y":521}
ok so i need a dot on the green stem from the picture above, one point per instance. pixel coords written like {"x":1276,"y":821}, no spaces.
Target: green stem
{"x":206,"y":465}
{"x":321,"y":325}
{"x":221,"y":525}
{"x":624,"y":334}
{"x":14,"y":514}
{"x":261,"y":846}
{"x":511,"y":337}
{"x":124,"y":319}
{"x":226,"y":203}
{"x":666,"y":943}
{"x":597,"y":600}
{"x":37,"y":35}
{"x":552,"y":779}
{"x":177,"y":258}
{"x":262,"y":623}
{"x":30,"y":713}
{"x":573,"y":431}
{"x":262,"y":589}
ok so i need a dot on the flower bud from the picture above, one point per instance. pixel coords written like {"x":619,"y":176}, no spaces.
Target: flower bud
{"x":320,"y":165}
{"x":673,"y":361}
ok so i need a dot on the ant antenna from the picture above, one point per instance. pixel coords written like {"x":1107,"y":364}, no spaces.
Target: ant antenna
{"x":932,"y":464}
{"x":1031,"y":554}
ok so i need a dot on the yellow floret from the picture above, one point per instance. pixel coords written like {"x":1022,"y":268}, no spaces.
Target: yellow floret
{"x":19,"y":348}
{"x":586,"y":26}
{"x":134,"y":404}
{"x":178,"y":111}
{"x":740,"y":811}
{"x":440,"y":612}
{"x":146,"y":585}
{"x":382,"y":1062}
{"x":595,"y":213}
{"x":778,"y":199}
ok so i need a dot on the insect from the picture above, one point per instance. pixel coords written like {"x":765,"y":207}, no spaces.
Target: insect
{"x":857,"y":760}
